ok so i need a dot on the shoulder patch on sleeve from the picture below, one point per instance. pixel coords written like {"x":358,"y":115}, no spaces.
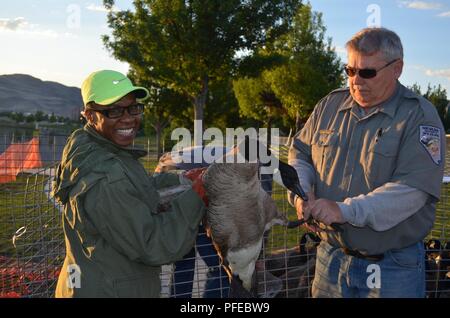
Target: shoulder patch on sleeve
{"x":430,"y":139}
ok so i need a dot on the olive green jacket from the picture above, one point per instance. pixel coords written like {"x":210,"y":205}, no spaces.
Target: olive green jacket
{"x":116,"y":241}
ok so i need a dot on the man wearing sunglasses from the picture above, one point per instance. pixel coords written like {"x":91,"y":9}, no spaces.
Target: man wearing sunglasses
{"x":116,"y":240}
{"x":371,"y":157}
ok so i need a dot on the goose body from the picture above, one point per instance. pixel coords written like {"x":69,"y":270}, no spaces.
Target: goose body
{"x":239,"y":210}
{"x":239,"y":213}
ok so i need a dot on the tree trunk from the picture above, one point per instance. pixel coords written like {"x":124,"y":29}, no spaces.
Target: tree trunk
{"x":158,"y":130}
{"x":159,"y":127}
{"x":200,"y":99}
{"x":269,"y":132}
{"x":199,"y":106}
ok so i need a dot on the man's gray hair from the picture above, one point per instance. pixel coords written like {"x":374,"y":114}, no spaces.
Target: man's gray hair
{"x":369,"y":41}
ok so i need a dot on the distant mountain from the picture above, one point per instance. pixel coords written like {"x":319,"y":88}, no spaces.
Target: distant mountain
{"x":27,"y":94}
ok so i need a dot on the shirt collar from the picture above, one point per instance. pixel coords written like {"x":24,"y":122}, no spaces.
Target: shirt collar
{"x":389,"y":107}
{"x":348,"y":103}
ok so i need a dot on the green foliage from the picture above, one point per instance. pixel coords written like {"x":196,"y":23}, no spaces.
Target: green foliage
{"x":18,"y":117}
{"x":185,"y":45}
{"x":416,"y":88}
{"x":60,"y":119}
{"x":302,"y":68}
{"x":39,"y":116}
{"x":29,"y":118}
{"x":222,"y":109}
{"x":52,"y":118}
{"x":250,"y":92}
{"x":164,"y":105}
{"x":437,"y":95}
{"x":313,"y":68}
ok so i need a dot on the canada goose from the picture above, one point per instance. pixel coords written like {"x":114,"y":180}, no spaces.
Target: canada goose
{"x":239,"y":213}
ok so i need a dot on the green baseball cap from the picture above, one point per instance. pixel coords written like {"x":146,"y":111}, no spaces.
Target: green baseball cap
{"x":106,"y":87}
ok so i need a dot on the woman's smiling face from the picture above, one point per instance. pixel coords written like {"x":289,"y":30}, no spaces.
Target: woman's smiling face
{"x":122,"y":130}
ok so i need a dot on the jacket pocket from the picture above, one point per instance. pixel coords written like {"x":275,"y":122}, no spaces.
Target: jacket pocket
{"x":323,"y":149}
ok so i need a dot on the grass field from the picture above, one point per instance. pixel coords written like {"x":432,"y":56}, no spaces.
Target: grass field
{"x":12,"y":198}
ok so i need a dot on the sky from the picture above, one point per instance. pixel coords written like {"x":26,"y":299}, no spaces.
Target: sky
{"x":60,"y":40}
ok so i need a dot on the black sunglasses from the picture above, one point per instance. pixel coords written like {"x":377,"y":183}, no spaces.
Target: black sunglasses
{"x":366,"y":72}
{"x":117,"y":112}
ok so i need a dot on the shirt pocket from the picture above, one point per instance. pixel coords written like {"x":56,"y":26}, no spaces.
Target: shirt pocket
{"x":380,"y":160}
{"x":323,"y":149}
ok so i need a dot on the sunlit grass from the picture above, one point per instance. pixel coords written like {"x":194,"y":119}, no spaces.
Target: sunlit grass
{"x":12,"y":201}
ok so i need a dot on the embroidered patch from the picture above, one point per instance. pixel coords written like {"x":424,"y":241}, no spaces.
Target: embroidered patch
{"x":430,"y":138}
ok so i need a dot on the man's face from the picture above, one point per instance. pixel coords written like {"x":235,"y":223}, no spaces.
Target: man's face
{"x":120,"y":130}
{"x":368,"y":92}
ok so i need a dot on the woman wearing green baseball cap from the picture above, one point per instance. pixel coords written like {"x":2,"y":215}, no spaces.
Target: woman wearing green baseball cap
{"x":116,"y":240}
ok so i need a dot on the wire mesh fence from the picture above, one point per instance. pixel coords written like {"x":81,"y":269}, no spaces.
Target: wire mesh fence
{"x":32,"y":242}
{"x":32,"y":246}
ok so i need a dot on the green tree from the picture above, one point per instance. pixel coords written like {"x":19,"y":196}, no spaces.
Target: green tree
{"x":187,"y":44}
{"x":18,"y":117}
{"x":30,"y":118}
{"x":437,"y":95}
{"x":257,"y":100}
{"x":39,"y":116}
{"x":302,"y":68}
{"x":52,"y":118}
{"x":164,"y":104}
{"x":312,"y":69}
{"x":222,"y":109}
{"x":416,"y":88}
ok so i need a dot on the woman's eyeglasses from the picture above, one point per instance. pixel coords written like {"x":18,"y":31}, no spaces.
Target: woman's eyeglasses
{"x":117,"y":112}
{"x":366,"y":72}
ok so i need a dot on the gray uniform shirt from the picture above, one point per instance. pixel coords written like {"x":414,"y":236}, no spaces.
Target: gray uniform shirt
{"x":354,"y":154}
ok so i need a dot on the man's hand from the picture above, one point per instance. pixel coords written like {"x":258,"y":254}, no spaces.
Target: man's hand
{"x":196,"y":176}
{"x":303,"y":212}
{"x":325,"y":211}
